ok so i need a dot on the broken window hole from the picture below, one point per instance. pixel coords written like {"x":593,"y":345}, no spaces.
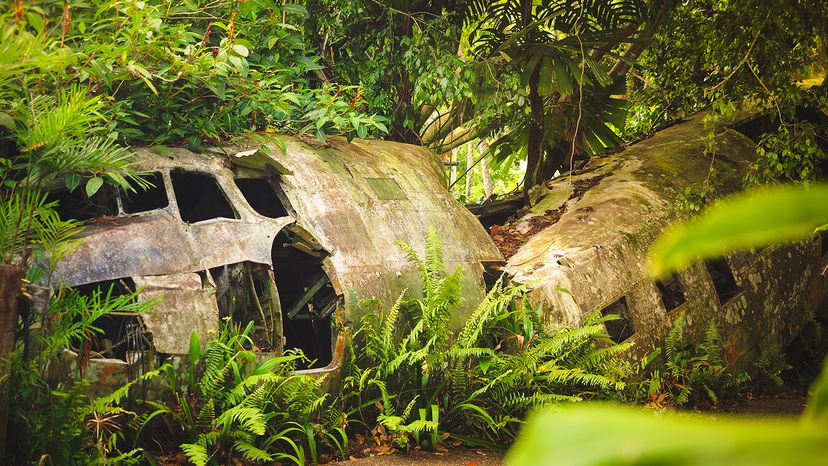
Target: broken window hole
{"x":756,"y":127}
{"x":671,"y":293}
{"x":722,"y":278}
{"x":262,"y":197}
{"x":492,"y":272}
{"x":76,"y":205}
{"x":124,"y":336}
{"x":144,"y":200}
{"x":308,"y":299}
{"x":622,"y":328}
{"x":199,"y":197}
{"x":245,"y":292}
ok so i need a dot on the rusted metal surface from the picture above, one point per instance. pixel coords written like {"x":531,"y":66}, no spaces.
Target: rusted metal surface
{"x":597,"y":247}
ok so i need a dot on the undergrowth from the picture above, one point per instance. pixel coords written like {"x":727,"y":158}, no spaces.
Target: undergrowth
{"x":690,"y":372}
{"x":412,"y":381}
{"x":229,"y":403}
{"x":424,"y":382}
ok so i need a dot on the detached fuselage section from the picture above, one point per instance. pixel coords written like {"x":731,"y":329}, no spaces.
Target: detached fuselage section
{"x":249,"y":233}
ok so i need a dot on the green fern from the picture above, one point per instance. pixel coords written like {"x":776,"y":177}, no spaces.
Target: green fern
{"x":196,"y":454}
{"x":252,"y":453}
{"x":695,"y":373}
{"x":250,"y":419}
{"x":772,"y":362}
{"x":482,"y":379}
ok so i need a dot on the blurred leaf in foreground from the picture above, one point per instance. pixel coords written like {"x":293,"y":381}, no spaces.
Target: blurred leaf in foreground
{"x":606,"y":435}
{"x":816,"y":413}
{"x":777,"y":214}
{"x":609,"y":435}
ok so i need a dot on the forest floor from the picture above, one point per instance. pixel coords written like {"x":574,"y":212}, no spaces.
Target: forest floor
{"x":788,"y":403}
{"x":784,"y":404}
{"x":454,"y":457}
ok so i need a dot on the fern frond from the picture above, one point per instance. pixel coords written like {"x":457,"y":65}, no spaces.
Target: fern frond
{"x":434,"y":260}
{"x":251,"y":419}
{"x":104,"y":402}
{"x":252,"y":453}
{"x":196,"y":454}
{"x":216,"y":370}
{"x":206,"y":416}
{"x":674,"y":342}
{"x":414,"y":258}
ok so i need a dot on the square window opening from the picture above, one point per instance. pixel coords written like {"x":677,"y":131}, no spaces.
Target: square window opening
{"x":622,"y":328}
{"x":199,"y":197}
{"x":262,"y":197}
{"x":152,"y":197}
{"x":76,"y":205}
{"x":123,"y":333}
{"x":723,"y":280}
{"x":671,"y":293}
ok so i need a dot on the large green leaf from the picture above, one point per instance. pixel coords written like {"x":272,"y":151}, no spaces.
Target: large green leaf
{"x":609,"y":435}
{"x":817,"y":410}
{"x":777,"y":214}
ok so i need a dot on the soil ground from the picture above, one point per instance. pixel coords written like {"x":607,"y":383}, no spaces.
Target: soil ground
{"x":457,"y":457}
{"x":785,"y":404}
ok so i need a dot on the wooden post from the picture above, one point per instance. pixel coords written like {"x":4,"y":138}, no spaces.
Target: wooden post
{"x":10,"y":278}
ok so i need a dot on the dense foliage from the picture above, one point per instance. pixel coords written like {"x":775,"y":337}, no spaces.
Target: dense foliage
{"x":553,"y":82}
{"x":178,"y":71}
{"x":411,"y":381}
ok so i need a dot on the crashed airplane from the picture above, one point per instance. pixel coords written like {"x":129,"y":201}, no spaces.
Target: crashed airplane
{"x":254,"y":234}
{"x":589,"y":233}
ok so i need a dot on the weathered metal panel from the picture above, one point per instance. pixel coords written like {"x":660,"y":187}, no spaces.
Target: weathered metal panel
{"x":330,"y":191}
{"x":186,"y":306}
{"x":160,"y":244}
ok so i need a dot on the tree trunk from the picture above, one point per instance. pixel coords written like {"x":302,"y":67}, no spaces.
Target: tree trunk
{"x":453,"y":169}
{"x":534,"y":149}
{"x":10,"y":277}
{"x":404,"y":117}
{"x":470,"y":169}
{"x":487,"y":177}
